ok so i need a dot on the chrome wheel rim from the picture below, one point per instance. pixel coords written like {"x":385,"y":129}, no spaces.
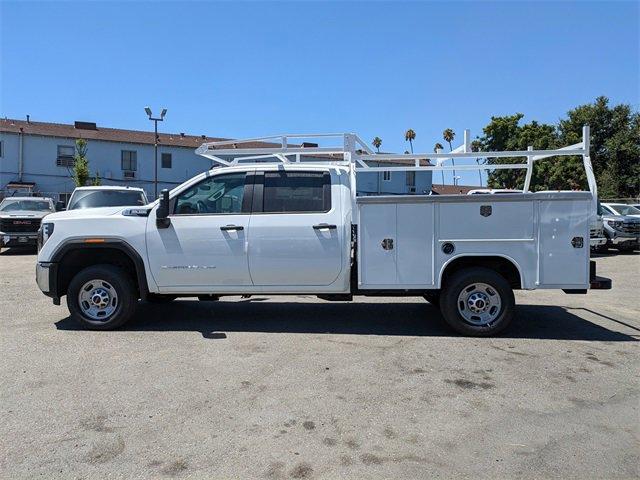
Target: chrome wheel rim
{"x":98,"y":300}
{"x":479,"y":304}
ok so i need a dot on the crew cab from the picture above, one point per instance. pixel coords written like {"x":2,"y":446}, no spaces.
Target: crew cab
{"x":296,"y":226}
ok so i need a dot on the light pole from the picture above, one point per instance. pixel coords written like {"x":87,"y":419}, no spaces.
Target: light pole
{"x":155,"y":144}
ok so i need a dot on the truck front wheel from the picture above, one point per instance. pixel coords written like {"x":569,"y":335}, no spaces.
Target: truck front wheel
{"x":478,"y":302}
{"x":101,"y":297}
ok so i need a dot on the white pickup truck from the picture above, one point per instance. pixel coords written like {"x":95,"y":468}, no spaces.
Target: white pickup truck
{"x":296,"y":226}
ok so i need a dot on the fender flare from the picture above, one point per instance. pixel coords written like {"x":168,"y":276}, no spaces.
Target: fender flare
{"x":111,"y":243}
{"x":463,"y":255}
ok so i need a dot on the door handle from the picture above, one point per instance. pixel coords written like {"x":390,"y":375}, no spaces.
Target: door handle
{"x":324,"y":226}
{"x":226,"y":228}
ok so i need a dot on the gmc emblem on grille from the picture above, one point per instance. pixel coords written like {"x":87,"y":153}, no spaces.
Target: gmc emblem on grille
{"x":22,"y":222}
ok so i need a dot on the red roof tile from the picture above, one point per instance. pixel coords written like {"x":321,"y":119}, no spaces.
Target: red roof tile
{"x":109,"y":134}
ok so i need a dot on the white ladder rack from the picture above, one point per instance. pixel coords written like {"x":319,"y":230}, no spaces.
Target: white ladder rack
{"x":350,"y":149}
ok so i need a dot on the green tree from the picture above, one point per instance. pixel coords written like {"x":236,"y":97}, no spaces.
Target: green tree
{"x":96,"y":182}
{"x":476,"y":146}
{"x":410,"y":136}
{"x":81,"y":164}
{"x":506,"y":133}
{"x":448,"y":135}
{"x":615,"y":149}
{"x":377,"y":142}
{"x":615,"y":145}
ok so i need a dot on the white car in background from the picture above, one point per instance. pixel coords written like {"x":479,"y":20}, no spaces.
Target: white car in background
{"x":622,"y":209}
{"x":621,"y":226}
{"x":106,"y":196}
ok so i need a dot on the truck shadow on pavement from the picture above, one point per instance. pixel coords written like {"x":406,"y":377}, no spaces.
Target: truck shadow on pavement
{"x":213,"y":319}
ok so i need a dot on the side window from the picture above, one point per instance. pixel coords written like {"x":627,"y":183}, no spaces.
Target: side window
{"x":166,"y":160}
{"x":129,"y":160}
{"x":411,"y":179}
{"x":297,"y":192}
{"x":215,"y":195}
{"x":65,"y":156}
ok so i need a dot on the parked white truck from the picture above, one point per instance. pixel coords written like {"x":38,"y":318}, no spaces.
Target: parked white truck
{"x":295,"y":226}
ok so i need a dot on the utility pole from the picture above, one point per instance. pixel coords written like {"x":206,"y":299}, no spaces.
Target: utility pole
{"x":155,"y":121}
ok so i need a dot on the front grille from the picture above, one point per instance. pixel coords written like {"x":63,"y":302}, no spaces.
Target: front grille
{"x":19,"y":225}
{"x":631,"y":227}
{"x":595,"y":232}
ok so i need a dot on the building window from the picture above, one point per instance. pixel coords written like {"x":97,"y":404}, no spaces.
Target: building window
{"x":386,"y":176}
{"x":65,"y":156}
{"x":129,"y":160}
{"x":166,"y":160}
{"x":411,"y":179}
{"x":64,"y":198}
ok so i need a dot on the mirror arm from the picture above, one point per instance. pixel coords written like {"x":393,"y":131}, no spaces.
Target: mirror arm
{"x":162,"y":212}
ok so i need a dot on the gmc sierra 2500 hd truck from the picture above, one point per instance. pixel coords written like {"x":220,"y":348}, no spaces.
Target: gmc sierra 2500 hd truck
{"x":285,"y":219}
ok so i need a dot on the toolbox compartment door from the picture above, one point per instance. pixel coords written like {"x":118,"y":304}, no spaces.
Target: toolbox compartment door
{"x":563,"y":262}
{"x":395,"y":245}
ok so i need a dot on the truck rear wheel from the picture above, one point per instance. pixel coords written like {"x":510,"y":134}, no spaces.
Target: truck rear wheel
{"x":101,"y":297}
{"x":478,"y":302}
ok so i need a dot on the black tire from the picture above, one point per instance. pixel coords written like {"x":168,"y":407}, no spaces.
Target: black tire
{"x":119,"y":281}
{"x":433,"y":298}
{"x":463,"y":280}
{"x":159,"y":298}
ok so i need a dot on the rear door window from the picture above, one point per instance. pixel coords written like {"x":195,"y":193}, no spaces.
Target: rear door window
{"x":296,"y":192}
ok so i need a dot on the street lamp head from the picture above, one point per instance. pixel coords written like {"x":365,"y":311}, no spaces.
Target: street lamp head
{"x":148,"y":110}
{"x":163,"y":113}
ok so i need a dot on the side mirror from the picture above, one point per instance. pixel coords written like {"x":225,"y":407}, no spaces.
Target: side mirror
{"x":162,"y":212}
{"x":60,"y":206}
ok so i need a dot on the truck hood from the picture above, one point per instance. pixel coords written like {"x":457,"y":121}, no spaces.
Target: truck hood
{"x":623,"y":218}
{"x":25,"y":214}
{"x":87,"y":213}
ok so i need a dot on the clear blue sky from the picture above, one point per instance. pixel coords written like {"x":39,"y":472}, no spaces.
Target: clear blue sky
{"x":248,"y":69}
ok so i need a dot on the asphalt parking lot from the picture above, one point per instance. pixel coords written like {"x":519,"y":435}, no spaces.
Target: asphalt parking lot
{"x":295,"y":387}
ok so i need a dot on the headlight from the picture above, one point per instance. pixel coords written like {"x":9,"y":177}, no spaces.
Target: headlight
{"x":617,"y":224}
{"x":44,"y":232}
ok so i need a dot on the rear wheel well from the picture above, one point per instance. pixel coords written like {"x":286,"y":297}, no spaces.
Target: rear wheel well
{"x":77,"y":259}
{"x":501,"y":265}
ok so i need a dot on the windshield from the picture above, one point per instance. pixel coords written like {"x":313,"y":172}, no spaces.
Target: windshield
{"x":625,"y":209}
{"x":105,"y":198}
{"x":13,"y":205}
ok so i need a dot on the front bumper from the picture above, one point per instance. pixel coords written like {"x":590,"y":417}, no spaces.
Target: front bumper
{"x":47,"y":279}
{"x":624,"y":241}
{"x":11,"y":239}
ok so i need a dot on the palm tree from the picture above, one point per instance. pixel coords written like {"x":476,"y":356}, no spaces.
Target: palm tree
{"x":410,"y":136}
{"x":377,"y":141}
{"x":448,"y":135}
{"x":475,"y":147}
{"x":436,"y":147}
